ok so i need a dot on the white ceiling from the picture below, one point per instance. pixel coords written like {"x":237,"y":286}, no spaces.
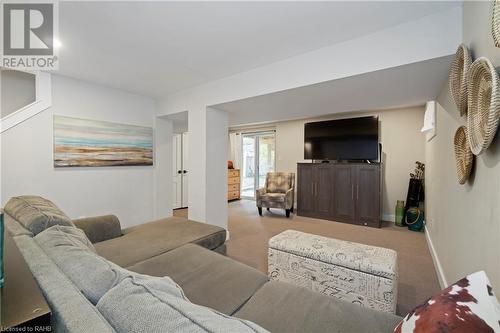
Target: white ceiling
{"x":156,"y":48}
{"x":408,"y":85}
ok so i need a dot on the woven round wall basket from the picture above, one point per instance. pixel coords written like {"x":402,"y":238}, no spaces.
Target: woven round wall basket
{"x":463,"y":154}
{"x":483,"y":105}
{"x":495,"y":23}
{"x":458,"y":78}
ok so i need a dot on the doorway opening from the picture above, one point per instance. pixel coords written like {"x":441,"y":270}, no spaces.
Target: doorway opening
{"x":259,"y":158}
{"x":180,"y":170}
{"x":179,"y":167}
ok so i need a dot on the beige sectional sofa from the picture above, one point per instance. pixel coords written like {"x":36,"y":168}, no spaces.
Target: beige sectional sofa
{"x":214,"y":291}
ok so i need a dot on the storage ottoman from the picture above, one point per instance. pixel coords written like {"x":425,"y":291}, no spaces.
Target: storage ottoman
{"x":357,"y":273}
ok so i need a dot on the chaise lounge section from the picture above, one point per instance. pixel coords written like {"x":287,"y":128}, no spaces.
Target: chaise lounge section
{"x":135,"y":244}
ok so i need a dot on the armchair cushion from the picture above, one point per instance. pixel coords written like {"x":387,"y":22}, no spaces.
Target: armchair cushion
{"x":276,"y":197}
{"x":278,"y":182}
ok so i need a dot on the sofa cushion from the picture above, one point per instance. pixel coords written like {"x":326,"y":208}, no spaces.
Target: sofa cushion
{"x":73,"y":253}
{"x":207,"y":278}
{"x":282,"y":307}
{"x":93,"y":275}
{"x":154,"y":238}
{"x":71,"y":311}
{"x":36,"y":213}
{"x":469,"y":305}
{"x":63,"y":236}
{"x":14,"y":227}
{"x":149,"y":306}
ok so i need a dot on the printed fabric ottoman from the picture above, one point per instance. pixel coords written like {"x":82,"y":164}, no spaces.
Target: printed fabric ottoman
{"x":357,"y":273}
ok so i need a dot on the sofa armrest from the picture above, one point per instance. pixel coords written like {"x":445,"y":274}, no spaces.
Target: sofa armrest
{"x":260,"y":191}
{"x":100,"y":228}
{"x":258,"y":195}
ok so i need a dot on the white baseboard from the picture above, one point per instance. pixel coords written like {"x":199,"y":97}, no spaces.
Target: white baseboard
{"x":388,"y":217}
{"x":437,"y":264}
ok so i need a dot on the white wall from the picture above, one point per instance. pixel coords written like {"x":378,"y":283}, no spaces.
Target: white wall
{"x":197,"y":157}
{"x":401,"y":139}
{"x":162,"y":182}
{"x":463,"y":221}
{"x":207,"y":160}
{"x":17,"y":90}
{"x":216,"y":177}
{"x":128,"y":192}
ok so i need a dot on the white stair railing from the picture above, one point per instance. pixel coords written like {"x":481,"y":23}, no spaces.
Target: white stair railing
{"x":43,"y":100}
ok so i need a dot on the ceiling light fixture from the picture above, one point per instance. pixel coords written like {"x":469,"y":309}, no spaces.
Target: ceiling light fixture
{"x":57,"y":43}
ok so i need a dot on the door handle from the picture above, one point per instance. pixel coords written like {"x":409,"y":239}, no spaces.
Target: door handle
{"x":179,"y":171}
{"x":184,"y":171}
{"x":312,"y":189}
{"x":352,"y":192}
{"x":357,"y":192}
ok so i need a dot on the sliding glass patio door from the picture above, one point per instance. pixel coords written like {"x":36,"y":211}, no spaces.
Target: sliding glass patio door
{"x":259,"y":158}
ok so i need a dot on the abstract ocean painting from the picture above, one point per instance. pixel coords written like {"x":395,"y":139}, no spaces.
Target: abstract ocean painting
{"x":91,"y":143}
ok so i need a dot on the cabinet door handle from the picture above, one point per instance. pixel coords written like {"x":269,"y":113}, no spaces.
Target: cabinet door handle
{"x":316,"y":189}
{"x":312,"y":189}
{"x":352,"y":192}
{"x":357,"y":192}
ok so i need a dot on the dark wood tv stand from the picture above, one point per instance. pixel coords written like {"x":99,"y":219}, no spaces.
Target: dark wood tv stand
{"x":342,"y":192}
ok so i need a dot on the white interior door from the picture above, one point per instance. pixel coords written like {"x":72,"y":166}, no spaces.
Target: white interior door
{"x":185,"y":145}
{"x":177,"y":171}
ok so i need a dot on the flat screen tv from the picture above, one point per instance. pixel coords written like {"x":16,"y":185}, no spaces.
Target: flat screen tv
{"x":343,"y":139}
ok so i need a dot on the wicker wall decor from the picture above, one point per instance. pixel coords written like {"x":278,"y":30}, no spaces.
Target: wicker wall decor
{"x":495,"y":23}
{"x":463,"y":155}
{"x":458,"y":78}
{"x":483,"y":105}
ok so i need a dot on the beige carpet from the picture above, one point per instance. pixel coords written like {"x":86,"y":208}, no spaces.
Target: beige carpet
{"x":249,"y":234}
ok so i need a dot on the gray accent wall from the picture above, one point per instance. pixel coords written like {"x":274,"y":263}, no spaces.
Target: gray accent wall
{"x":463,"y":221}
{"x":18,"y":90}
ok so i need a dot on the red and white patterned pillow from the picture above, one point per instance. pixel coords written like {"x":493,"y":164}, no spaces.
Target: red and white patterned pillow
{"x":466,"y":306}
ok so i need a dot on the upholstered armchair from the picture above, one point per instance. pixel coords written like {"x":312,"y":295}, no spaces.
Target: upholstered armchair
{"x":278,"y":192}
